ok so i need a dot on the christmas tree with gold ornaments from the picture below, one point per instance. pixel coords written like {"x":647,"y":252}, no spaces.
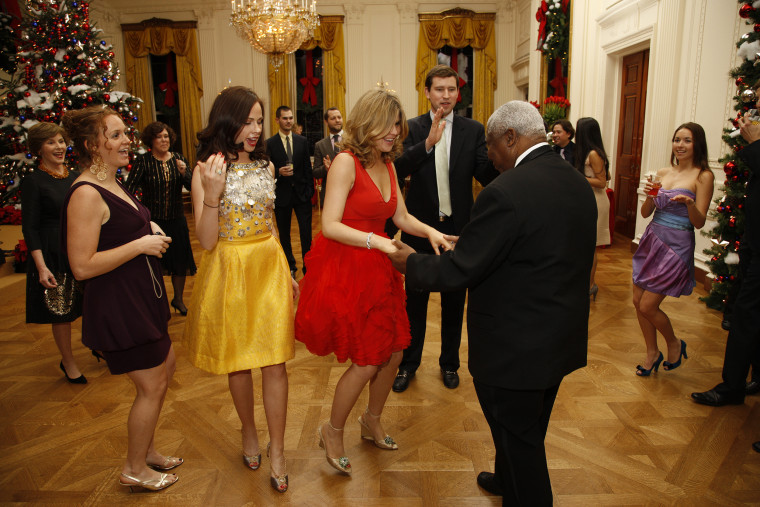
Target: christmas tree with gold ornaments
{"x":62,"y":63}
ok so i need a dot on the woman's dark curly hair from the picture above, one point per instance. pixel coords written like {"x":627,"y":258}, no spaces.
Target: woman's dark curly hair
{"x":228,"y":115}
{"x":150,"y":133}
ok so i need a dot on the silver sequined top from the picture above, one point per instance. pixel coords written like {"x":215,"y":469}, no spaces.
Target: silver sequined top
{"x":245,"y":209}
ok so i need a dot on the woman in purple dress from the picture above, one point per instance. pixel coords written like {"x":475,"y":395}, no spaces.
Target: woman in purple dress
{"x":663,"y":265}
{"x":113,"y":245}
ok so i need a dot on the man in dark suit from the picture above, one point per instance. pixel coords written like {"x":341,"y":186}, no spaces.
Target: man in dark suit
{"x":744,"y":333}
{"x":326,"y":148}
{"x":526,"y":257}
{"x":562,"y":135}
{"x":442,"y":154}
{"x":289,"y":153}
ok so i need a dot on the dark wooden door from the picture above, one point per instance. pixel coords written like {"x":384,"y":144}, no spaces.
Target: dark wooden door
{"x":630,"y":131}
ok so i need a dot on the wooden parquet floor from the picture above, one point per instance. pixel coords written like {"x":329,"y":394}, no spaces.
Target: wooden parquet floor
{"x":614,"y":438}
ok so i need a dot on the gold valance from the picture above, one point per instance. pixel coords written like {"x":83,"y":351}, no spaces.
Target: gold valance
{"x":159,"y":37}
{"x":459,"y":28}
{"x":328,"y":36}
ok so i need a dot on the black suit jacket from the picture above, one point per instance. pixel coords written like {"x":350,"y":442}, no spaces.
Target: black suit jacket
{"x":569,"y":152}
{"x":300,"y":186}
{"x":751,"y":238}
{"x":526,"y":258}
{"x":468,"y":158}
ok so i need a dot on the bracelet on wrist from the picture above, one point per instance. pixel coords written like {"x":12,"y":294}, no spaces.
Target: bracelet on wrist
{"x":210,"y":206}
{"x":369,"y":237}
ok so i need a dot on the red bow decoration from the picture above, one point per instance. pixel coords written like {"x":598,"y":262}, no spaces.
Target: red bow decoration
{"x":564,"y":5}
{"x":541,"y":18}
{"x":455,"y":65}
{"x":559,"y":80}
{"x":170,"y":86}
{"x":309,"y":82}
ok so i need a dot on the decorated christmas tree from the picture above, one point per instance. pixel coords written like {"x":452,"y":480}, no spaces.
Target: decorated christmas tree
{"x":729,"y":214}
{"x":62,"y":64}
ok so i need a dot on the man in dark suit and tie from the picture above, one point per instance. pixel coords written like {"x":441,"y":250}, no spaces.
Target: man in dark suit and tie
{"x":562,"y":135}
{"x":326,"y":148}
{"x":526,"y":257}
{"x":442,"y":154}
{"x":743,"y":343}
{"x":289,"y":154}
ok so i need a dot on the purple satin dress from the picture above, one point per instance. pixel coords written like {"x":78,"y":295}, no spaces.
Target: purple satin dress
{"x":664,"y":261}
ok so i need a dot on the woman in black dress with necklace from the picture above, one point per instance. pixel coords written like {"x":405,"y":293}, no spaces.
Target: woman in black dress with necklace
{"x":42,"y":194}
{"x":161,"y":174}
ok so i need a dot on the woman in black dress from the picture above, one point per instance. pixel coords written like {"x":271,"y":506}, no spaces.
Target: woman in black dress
{"x":113,"y":245}
{"x":48,"y":277}
{"x":161,"y":174}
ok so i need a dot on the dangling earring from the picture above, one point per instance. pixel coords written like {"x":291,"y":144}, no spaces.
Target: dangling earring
{"x":99,"y":168}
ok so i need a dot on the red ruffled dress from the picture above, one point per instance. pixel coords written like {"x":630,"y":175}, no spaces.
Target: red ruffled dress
{"x":352,"y":301}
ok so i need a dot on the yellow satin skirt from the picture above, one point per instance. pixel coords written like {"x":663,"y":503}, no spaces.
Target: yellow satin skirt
{"x":241,"y":311}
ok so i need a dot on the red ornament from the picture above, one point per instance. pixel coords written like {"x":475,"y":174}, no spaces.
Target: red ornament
{"x":740,"y":80}
{"x":729,"y":167}
{"x":744,"y":11}
{"x":107,"y":97}
{"x":756,"y":28}
{"x":27,"y":94}
{"x":732,"y":222}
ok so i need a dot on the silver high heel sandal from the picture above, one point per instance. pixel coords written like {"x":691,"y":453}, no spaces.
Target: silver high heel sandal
{"x":386,"y":443}
{"x":279,"y":482}
{"x":341,"y":464}
{"x":163,"y":482}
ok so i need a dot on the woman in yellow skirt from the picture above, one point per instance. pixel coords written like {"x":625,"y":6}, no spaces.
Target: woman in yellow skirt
{"x":241,"y":311}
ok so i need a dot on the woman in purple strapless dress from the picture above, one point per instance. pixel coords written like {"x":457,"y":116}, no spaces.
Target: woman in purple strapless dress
{"x":663,"y":265}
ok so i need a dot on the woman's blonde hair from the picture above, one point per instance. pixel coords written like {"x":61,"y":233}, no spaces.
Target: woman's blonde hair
{"x":372,"y":116}
{"x":41,"y":132}
{"x":85,"y":126}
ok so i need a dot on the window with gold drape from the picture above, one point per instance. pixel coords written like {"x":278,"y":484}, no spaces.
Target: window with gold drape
{"x":459,"y":28}
{"x":159,"y":37}
{"x":329,"y":37}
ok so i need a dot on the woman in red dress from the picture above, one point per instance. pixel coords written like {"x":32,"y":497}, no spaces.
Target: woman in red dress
{"x":352,"y":300}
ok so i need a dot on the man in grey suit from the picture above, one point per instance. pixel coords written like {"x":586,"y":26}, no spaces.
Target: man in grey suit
{"x":326,"y":148}
{"x":526,"y":257}
{"x":442,"y":154}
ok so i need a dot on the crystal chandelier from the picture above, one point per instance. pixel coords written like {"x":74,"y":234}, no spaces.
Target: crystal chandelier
{"x":275,"y":27}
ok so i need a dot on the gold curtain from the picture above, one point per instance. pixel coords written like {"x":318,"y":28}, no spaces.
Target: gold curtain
{"x":159,"y":37}
{"x":279,"y":93}
{"x":329,"y":37}
{"x":459,"y":28}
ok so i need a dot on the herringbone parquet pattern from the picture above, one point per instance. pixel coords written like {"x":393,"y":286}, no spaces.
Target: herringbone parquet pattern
{"x":614,"y":438}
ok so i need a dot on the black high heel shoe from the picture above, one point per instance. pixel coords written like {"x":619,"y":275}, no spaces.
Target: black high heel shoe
{"x":79,"y":380}
{"x":667,"y":366}
{"x":643,"y":372}
{"x":178,"y":309}
{"x":97,"y":355}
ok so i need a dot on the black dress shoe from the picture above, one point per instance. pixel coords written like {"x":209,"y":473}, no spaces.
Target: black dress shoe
{"x":726,"y":324}
{"x":402,"y":381}
{"x":756,"y":446}
{"x":752,"y":387}
{"x":716,"y":399}
{"x":450,"y":379}
{"x":487,"y":481}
